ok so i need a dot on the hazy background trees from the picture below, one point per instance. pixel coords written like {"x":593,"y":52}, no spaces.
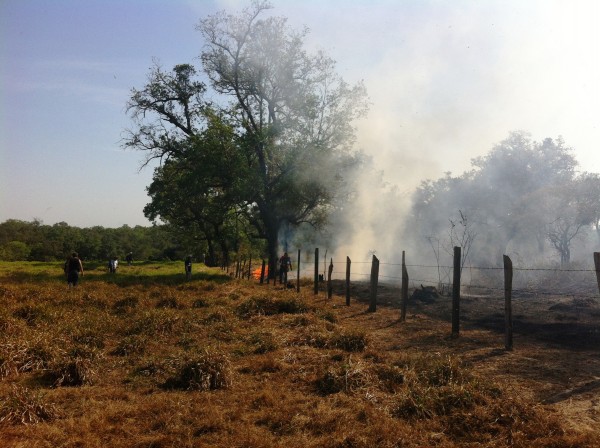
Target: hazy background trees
{"x":523,"y":198}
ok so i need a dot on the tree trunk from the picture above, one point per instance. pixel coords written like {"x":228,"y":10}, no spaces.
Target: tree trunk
{"x":210,"y":260}
{"x":272,"y":246}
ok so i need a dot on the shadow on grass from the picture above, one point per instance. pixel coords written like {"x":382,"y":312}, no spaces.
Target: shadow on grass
{"x":125,"y":276}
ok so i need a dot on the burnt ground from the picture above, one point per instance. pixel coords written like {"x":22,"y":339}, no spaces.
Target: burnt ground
{"x":556,"y":342}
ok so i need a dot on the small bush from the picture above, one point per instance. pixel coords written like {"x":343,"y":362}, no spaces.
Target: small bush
{"x":22,"y":406}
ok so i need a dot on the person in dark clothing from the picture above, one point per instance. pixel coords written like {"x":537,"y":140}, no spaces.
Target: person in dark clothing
{"x":188,"y":267}
{"x":73,"y":269}
{"x":285,"y":265}
{"x":129,"y":258}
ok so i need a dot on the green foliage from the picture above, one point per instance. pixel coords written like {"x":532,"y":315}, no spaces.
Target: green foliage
{"x":15,"y":251}
{"x":33,"y":241}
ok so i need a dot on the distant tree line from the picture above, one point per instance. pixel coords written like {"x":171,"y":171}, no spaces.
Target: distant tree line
{"x":35,"y":241}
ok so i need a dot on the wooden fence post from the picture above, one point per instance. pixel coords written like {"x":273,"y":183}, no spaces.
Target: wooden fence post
{"x":348,"y":262}
{"x":329,"y":284}
{"x":508,"y":324}
{"x":316,"y":271}
{"x":597,"y":265}
{"x":456,"y":293}
{"x":262,"y":272}
{"x":404,"y":289}
{"x":298,"y":273}
{"x":374,"y":281}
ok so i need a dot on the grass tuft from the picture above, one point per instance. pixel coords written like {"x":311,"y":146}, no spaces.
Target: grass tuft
{"x":76,"y":367}
{"x":350,"y":341}
{"x":267,"y":306}
{"x":209,"y":371}
{"x":30,"y":314}
{"x":22,"y":406}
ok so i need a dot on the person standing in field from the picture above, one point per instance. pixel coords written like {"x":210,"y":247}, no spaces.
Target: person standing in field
{"x":73,"y":269}
{"x":112,"y":265}
{"x":188,"y":267}
{"x":285,"y":265}
{"x":129,"y":258}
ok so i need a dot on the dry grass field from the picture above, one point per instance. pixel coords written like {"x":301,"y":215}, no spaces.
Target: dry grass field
{"x":144,"y":359}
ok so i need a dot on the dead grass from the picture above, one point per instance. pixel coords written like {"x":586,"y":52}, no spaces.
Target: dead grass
{"x":236,"y":364}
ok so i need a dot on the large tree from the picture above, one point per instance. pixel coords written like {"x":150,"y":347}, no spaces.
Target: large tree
{"x":291,"y":115}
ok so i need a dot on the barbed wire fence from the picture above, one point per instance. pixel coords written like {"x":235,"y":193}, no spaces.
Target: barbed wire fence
{"x":571,"y":293}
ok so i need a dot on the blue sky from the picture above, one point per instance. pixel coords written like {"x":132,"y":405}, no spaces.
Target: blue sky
{"x":447,"y":80}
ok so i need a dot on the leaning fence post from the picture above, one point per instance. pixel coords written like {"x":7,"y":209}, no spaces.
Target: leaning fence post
{"x":298,"y":273}
{"x":348,"y":262}
{"x":316,"y":271}
{"x":374,"y":281}
{"x":456,"y":293}
{"x":329,"y":284}
{"x":508,"y":324}
{"x":404,"y":289}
